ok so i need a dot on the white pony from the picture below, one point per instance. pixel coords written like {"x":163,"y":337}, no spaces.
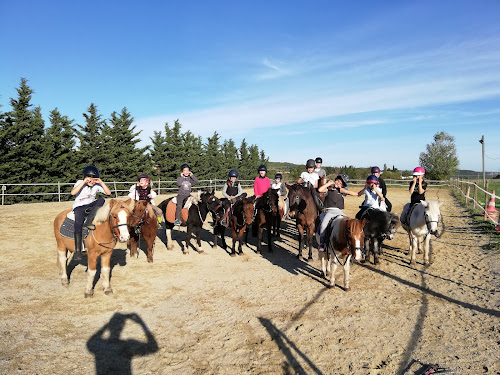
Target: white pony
{"x":420,"y":224}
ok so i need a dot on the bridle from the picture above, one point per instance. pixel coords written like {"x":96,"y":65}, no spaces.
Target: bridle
{"x":428,"y":223}
{"x":349,"y":247}
{"x":141,"y":221}
{"x":113,"y":228}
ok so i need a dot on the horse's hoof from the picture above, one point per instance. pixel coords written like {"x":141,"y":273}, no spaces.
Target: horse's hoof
{"x":240,"y":253}
{"x":65,"y":282}
{"x":412,"y":262}
{"x":200,"y":251}
{"x":348,"y":289}
{"x":89,"y":294}
{"x":330,"y":286}
{"x":377,"y":262}
{"x":214,"y":247}
{"x":170,"y":247}
{"x":108,"y":291}
{"x":427,"y":264}
{"x":257,"y":252}
{"x":310,"y":258}
{"x":150,"y":260}
{"x":185,"y":252}
{"x":233,"y":255}
{"x":300,"y":257}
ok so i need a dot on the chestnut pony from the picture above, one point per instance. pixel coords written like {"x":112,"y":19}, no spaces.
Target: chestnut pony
{"x":240,"y":220}
{"x":146,"y":227}
{"x":111,"y":226}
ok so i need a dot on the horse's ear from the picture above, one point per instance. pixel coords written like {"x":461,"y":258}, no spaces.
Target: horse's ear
{"x":440,"y":204}
{"x":112,"y":202}
{"x":424,"y":203}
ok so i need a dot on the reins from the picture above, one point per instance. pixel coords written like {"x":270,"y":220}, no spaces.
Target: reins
{"x":115,"y":237}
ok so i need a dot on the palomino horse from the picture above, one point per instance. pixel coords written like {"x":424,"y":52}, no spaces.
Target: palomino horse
{"x":146,"y":227}
{"x":345,"y":240}
{"x":266,"y":208}
{"x":197,"y":213}
{"x":303,"y":209}
{"x":421,"y":222}
{"x":239,"y":221}
{"x":277,"y":219}
{"x":380,"y":225}
{"x":110,"y":227}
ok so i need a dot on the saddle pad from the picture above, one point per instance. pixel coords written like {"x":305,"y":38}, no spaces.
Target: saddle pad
{"x":67,"y":229}
{"x":170,"y":212}
{"x":333,"y":227}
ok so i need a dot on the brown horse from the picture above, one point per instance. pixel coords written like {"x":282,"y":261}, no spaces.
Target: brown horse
{"x":266,"y":208}
{"x":146,"y":227}
{"x":346,"y":238}
{"x":111,"y":226}
{"x":241,"y":219}
{"x":303,"y":209}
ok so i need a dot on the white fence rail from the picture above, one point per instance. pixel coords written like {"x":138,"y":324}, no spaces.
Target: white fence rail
{"x":470,"y":191}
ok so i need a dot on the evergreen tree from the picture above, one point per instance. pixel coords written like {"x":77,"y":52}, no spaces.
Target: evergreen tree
{"x":245,"y":168}
{"x":193,"y":146}
{"x":229,"y":156}
{"x":254,"y":159}
{"x":211,"y":162}
{"x":175,"y":152}
{"x":124,"y":160}
{"x":159,"y":155}
{"x":91,"y":139}
{"x":59,"y":150}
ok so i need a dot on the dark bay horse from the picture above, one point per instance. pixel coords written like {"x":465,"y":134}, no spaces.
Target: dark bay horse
{"x":241,"y":219}
{"x":266,"y":208}
{"x":146,"y":227}
{"x":380,"y":225}
{"x":203,"y":202}
{"x":111,"y":226}
{"x":346,"y":238}
{"x":303,"y":209}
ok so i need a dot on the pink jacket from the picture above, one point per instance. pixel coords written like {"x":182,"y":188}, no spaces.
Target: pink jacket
{"x":261,"y":185}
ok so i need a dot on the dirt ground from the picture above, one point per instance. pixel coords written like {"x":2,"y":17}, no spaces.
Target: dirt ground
{"x":272,"y":314}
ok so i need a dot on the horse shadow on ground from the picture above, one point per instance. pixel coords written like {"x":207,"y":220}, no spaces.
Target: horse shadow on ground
{"x":118,"y":257}
{"x":287,"y":346}
{"x":113,"y":354}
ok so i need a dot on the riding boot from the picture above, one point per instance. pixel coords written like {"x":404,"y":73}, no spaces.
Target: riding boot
{"x":90,"y":217}
{"x":78,"y":246}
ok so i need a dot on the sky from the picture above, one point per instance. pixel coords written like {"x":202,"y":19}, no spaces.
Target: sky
{"x":358,"y":83}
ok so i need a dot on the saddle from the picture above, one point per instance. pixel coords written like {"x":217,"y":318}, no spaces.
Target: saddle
{"x":332,"y":225}
{"x":67,"y":227}
{"x":408,"y":215}
{"x":170,"y":211}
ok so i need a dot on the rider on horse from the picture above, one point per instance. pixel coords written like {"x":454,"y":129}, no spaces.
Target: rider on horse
{"x":319,"y":171}
{"x":233,"y":192}
{"x":381,"y":183}
{"x":261,"y":183}
{"x":278,"y":184}
{"x":310,"y":179}
{"x":334,"y":203}
{"x":373,"y":196}
{"x":417,"y":189}
{"x":142,"y":191}
{"x":85,"y":192}
{"x":184,"y":181}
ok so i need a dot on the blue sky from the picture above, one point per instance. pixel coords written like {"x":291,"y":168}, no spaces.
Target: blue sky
{"x":359,"y":83}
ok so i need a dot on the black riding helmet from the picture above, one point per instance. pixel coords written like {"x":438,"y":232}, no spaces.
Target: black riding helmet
{"x":185,"y":166}
{"x":344,"y":178}
{"x":278,"y":175}
{"x":90,"y":171}
{"x":233,"y":173}
{"x":319,"y":160}
{"x":310,"y":163}
{"x":262,"y":167}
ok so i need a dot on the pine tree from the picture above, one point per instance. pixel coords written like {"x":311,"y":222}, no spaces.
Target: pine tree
{"x":124,"y":161}
{"x":229,"y":156}
{"x":245,"y":168}
{"x":193,"y":146}
{"x":59,"y":150}
{"x":176,"y":153}
{"x":211,"y":162}
{"x":159,"y":154}
{"x":91,"y":140}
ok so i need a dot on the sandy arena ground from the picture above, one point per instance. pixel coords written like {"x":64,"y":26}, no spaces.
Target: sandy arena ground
{"x":271,"y":314}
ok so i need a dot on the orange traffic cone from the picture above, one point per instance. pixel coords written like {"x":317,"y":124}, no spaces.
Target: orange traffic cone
{"x":491,"y":211}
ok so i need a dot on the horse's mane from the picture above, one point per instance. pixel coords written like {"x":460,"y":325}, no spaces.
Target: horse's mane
{"x":197,"y":197}
{"x":103,"y":212}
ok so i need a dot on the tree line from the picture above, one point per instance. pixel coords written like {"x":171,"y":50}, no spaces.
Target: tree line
{"x":35,"y":153}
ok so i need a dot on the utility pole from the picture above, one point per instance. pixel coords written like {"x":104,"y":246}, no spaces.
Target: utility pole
{"x":484,"y":176}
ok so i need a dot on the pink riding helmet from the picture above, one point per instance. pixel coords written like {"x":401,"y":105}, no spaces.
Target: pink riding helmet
{"x":419,"y":171}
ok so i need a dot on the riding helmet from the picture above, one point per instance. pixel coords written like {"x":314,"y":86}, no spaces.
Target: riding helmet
{"x":372,"y":179}
{"x":310,"y":163}
{"x":144,"y":175}
{"x":375,"y":170}
{"x":262,"y":167}
{"x":91,"y":171}
{"x":344,"y":178}
{"x":319,"y":160}
{"x":419,"y":171}
{"x":278,"y":175}
{"x":233,"y":173}
{"x":185,"y":166}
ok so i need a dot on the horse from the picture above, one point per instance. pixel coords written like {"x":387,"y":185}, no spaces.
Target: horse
{"x":266,"y":208}
{"x":380,"y":225}
{"x":303,"y":209}
{"x":276,"y":224}
{"x":111,"y":226}
{"x":240,"y":219}
{"x":422,"y":221}
{"x":146,"y":227}
{"x":346,"y":238}
{"x":196,"y":215}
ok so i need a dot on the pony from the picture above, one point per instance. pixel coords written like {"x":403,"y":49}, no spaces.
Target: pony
{"x":346,"y":238}
{"x":380,"y":225}
{"x":241,"y":219}
{"x":266,"y":208}
{"x":146,"y":227}
{"x":111,"y":226}
{"x":276,"y":224}
{"x":421,"y":221}
{"x":219,"y":214}
{"x":196,"y":215}
{"x":303,"y":209}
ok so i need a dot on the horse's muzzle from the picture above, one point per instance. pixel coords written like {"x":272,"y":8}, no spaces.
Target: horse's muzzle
{"x":436,"y":233}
